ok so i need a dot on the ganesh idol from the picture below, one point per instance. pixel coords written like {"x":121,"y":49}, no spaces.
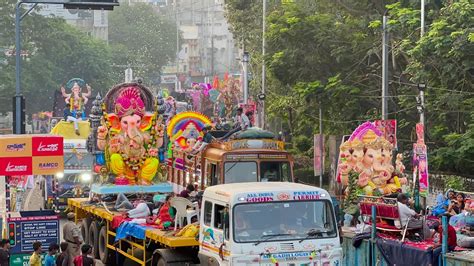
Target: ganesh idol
{"x":131,"y":138}
{"x":77,"y":99}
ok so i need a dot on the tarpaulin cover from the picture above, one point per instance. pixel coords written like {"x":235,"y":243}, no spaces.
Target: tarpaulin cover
{"x":398,"y":253}
{"x":130,"y":229}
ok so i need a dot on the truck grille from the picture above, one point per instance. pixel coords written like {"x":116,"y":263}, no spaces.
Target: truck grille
{"x":287,"y":247}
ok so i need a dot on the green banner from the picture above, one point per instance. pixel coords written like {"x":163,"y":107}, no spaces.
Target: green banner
{"x":21,"y":259}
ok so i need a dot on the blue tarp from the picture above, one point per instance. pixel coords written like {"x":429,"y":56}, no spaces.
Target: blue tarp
{"x":397,"y":253}
{"x":130,"y":229}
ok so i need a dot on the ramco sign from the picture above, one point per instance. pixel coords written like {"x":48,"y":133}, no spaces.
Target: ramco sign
{"x":43,"y":166}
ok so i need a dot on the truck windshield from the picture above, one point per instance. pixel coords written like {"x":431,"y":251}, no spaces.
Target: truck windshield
{"x":275,"y":172}
{"x":238,"y":172}
{"x":77,"y":161}
{"x":285,"y":220}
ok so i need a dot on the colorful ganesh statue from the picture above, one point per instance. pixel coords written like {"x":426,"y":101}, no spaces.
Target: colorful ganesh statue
{"x":131,"y":136}
{"x":368,"y":156}
{"x":77,"y":99}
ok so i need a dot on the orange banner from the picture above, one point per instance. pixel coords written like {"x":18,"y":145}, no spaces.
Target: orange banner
{"x":48,"y":165}
{"x":15,"y":146}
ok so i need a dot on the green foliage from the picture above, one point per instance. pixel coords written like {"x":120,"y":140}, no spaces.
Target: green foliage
{"x":139,"y":36}
{"x":454,"y":182}
{"x":328,"y":53}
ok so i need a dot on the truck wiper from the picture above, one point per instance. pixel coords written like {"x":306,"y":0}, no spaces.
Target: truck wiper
{"x":268,"y":237}
{"x":311,"y":233}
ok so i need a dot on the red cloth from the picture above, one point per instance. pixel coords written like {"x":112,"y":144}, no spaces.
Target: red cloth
{"x":451,"y":235}
{"x":118,"y":220}
{"x":164,"y":214}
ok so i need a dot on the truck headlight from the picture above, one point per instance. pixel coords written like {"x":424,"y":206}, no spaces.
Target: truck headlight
{"x":59,"y":175}
{"x":86,"y":177}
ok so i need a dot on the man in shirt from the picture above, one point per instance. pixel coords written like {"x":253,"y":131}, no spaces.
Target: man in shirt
{"x":242,"y":122}
{"x":206,"y":139}
{"x":409,"y":216}
{"x":49,"y":259}
{"x":72,"y":235}
{"x":5,"y":252}
{"x":35,"y":259}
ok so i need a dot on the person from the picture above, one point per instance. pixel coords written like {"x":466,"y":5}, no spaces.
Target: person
{"x":206,"y":139}
{"x":72,"y":235}
{"x":242,"y":122}
{"x":122,"y":202}
{"x":63,"y":259}
{"x":70,"y":117}
{"x":409,"y":216}
{"x":241,"y":225}
{"x":85,"y":259}
{"x":140,"y":211}
{"x":35,"y":259}
{"x":5,"y":252}
{"x":249,"y":114}
{"x":165,"y":215}
{"x":270,"y":175}
{"x":456,"y":206}
{"x":49,"y":259}
{"x":452,"y":238}
{"x":186,"y":193}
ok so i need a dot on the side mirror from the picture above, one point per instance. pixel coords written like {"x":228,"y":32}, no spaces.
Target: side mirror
{"x":226,"y":223}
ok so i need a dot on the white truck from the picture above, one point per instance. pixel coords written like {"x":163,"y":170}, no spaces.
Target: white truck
{"x":258,"y":223}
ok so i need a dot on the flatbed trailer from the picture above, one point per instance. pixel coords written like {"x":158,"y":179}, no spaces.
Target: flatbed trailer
{"x":97,"y":231}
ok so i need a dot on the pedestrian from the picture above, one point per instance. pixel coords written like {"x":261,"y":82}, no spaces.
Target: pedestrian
{"x":85,"y":259}
{"x":5,"y":252}
{"x":63,"y":258}
{"x":49,"y":259}
{"x":35,"y":259}
{"x":72,"y":235}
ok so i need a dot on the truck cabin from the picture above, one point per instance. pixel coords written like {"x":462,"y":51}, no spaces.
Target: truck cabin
{"x":298,"y":215}
{"x":236,"y":161}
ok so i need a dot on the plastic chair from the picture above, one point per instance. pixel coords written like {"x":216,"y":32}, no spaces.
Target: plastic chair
{"x":181,"y":205}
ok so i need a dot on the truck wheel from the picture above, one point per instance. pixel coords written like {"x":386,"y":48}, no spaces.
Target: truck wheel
{"x":103,"y":250}
{"x":94,"y":238}
{"x":85,"y":224}
{"x":161,"y":262}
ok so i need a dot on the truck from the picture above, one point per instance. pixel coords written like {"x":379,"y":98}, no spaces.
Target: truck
{"x":75,"y":180}
{"x":256,"y":223}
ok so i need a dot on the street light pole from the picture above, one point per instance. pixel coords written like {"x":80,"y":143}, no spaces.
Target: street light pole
{"x":422,"y":28}
{"x":321,"y":146}
{"x":18,"y":96}
{"x":245,"y":61}
{"x":385,"y":41}
{"x":262,"y":111}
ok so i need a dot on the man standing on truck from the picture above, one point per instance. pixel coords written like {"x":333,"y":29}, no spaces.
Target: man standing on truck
{"x":72,"y":235}
{"x":242,"y":122}
{"x":71,"y":117}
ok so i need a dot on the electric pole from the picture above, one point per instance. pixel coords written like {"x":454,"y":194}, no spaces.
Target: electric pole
{"x":245,"y":79}
{"x":262,"y":111}
{"x":385,"y":43}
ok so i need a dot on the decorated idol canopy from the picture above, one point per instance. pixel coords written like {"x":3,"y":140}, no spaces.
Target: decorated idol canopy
{"x":185,"y":129}
{"x":130,"y":135}
{"x":365,"y":163}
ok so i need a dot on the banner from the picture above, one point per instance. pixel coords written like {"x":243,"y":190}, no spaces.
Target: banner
{"x":317,"y":155}
{"x":27,"y":230}
{"x":47,"y":146}
{"x":420,"y":160}
{"x":14,"y":146}
{"x":389,"y":130}
{"x":48,"y":165}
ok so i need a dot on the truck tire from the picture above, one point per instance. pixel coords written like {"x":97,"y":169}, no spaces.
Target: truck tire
{"x":85,"y":224}
{"x":102,"y":249}
{"x":161,"y":262}
{"x":94,"y":238}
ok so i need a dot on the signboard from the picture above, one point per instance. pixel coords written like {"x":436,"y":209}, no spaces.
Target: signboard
{"x":168,"y":79}
{"x":31,"y":155}
{"x":27,"y":230}
{"x":21,"y":259}
{"x":420,"y":160}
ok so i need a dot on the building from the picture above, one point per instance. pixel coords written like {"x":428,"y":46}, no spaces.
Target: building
{"x":207,"y":47}
{"x":92,"y":22}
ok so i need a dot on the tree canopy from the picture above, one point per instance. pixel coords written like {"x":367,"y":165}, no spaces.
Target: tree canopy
{"x":328,"y":53}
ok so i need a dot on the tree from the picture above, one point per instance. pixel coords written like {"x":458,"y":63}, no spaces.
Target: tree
{"x":57,"y":52}
{"x":139,"y":36}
